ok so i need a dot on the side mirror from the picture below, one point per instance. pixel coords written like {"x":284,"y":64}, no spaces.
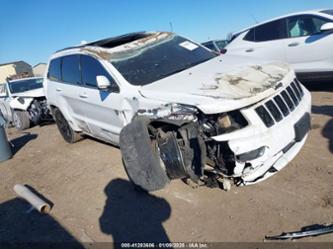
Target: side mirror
{"x":327,"y":27}
{"x":103,"y":82}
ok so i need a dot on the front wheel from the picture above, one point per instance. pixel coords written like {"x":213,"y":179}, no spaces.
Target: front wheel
{"x":66,"y":131}
{"x":21,"y":120}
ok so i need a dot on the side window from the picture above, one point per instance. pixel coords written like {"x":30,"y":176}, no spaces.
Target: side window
{"x":3,"y":90}
{"x":91,"y":68}
{"x":304,"y":25}
{"x":54,"y":70}
{"x":271,"y":31}
{"x":249,"y":36}
{"x":71,"y":69}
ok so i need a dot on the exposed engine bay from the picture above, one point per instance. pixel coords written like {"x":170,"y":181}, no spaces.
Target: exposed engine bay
{"x":182,"y":146}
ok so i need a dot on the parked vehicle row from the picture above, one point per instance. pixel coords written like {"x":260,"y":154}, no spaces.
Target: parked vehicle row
{"x":179,"y":111}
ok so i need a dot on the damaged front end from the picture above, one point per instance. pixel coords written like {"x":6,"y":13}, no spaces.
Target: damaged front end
{"x":174,"y":142}
{"x":36,"y":107}
{"x":246,"y":146}
{"x":39,"y":111}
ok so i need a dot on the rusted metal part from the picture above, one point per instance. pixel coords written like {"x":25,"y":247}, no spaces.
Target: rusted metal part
{"x":97,"y":52}
{"x":253,"y":80}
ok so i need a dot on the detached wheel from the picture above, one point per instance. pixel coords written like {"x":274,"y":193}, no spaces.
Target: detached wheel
{"x":142,"y":163}
{"x":21,"y":120}
{"x":66,"y":131}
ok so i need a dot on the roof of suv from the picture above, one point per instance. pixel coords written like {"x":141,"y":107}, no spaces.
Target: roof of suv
{"x":112,"y":41}
{"x":116,"y":47}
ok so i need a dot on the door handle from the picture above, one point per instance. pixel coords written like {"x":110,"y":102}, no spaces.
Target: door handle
{"x":249,"y":50}
{"x":83,"y":95}
{"x":58,"y":89}
{"x":294,"y":44}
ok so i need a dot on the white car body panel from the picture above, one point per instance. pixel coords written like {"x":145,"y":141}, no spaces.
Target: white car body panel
{"x":305,"y":54}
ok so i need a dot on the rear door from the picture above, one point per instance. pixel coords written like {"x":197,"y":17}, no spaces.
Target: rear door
{"x":103,"y":109}
{"x":266,"y":41}
{"x":65,"y":81}
{"x":308,"y":49}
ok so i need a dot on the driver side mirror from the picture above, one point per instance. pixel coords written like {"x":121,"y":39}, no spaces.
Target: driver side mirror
{"x":327,"y":27}
{"x":104,"y":83}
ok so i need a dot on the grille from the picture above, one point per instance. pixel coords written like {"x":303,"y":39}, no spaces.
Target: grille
{"x":281,"y":105}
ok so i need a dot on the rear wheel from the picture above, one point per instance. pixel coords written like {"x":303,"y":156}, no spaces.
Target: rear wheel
{"x":21,"y":120}
{"x":66,"y":131}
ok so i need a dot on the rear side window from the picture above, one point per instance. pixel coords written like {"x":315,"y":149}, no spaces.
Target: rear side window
{"x":304,"y":25}
{"x":91,"y":68}
{"x":270,"y":31}
{"x":54,"y":70}
{"x":71,"y":69}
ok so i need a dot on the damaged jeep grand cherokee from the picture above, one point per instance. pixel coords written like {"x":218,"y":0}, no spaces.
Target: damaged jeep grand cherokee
{"x":179,"y":111}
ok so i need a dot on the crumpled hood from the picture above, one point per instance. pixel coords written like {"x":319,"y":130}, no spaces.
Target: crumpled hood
{"x":222,"y":84}
{"x":39,"y":92}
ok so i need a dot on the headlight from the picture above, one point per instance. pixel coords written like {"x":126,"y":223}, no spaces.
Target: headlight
{"x":171,"y":111}
{"x":21,"y":100}
{"x":251,"y":155}
{"x":182,"y":112}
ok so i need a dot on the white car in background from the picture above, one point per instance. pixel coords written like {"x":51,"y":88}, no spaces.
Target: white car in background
{"x":23,"y":103}
{"x":304,"y":40}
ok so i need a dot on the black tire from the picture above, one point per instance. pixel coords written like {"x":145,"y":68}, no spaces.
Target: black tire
{"x":66,"y":131}
{"x":21,"y":120}
{"x":142,"y":164}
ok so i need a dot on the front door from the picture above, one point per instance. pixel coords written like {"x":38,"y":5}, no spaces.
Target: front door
{"x":308,"y":49}
{"x":103,"y":109}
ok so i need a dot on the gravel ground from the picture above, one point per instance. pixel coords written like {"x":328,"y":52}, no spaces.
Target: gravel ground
{"x":94,"y":201}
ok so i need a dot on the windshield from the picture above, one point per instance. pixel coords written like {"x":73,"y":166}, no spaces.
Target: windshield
{"x":25,"y":85}
{"x":329,"y":12}
{"x":209,"y":45}
{"x":151,"y":63}
{"x":221,"y":44}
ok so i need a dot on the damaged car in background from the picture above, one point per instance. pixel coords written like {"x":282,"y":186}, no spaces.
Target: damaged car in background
{"x":23,"y":102}
{"x":179,"y":111}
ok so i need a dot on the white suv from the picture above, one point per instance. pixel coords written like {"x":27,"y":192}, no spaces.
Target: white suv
{"x":304,"y":40}
{"x":178,"y":110}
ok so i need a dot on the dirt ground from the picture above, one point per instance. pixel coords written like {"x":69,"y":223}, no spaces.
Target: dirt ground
{"x":94,"y":201}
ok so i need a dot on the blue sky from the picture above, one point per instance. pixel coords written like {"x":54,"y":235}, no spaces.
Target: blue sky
{"x":32,"y":30}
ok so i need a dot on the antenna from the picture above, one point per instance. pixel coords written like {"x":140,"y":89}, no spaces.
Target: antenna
{"x":171,"y":26}
{"x":254,"y":18}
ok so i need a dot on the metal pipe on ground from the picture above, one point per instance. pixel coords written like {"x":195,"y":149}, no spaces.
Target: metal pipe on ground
{"x":5,"y":149}
{"x":35,"y":201}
